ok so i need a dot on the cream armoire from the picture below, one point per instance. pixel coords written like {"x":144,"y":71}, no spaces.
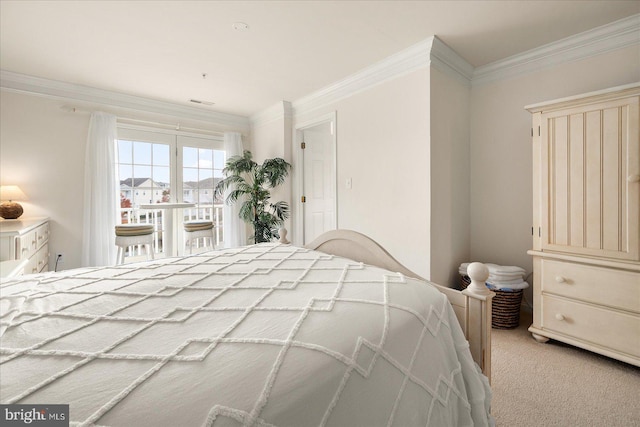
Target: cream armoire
{"x":586,"y":214}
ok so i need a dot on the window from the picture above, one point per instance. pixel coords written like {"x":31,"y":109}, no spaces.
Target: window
{"x":201,"y":171}
{"x":157,"y":166}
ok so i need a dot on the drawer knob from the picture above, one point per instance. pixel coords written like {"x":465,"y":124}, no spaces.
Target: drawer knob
{"x":560,"y":279}
{"x":559,"y":317}
{"x":633,"y":178}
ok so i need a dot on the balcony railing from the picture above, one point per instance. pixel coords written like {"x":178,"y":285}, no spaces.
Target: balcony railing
{"x":208,"y":213}
{"x":154,"y":216}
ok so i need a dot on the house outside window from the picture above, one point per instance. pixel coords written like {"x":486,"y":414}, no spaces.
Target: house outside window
{"x":201,"y":171}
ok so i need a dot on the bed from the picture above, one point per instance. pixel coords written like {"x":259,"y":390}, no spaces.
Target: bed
{"x":337,"y":333}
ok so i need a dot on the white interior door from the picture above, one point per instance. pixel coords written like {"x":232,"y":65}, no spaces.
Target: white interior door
{"x":319,"y":179}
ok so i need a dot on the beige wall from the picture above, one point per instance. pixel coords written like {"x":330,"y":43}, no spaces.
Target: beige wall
{"x":450,"y":236}
{"x":42,"y":150}
{"x":383,"y":146}
{"x":501,"y":182}
{"x":274,"y":135}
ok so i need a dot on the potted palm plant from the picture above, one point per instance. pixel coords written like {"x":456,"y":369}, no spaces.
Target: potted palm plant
{"x":250,"y":183}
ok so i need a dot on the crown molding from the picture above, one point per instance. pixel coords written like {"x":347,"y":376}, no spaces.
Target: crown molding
{"x":448,"y":61}
{"x":430,"y":52}
{"x":434,"y":52}
{"x":17,"y":82}
{"x":616,"y":35}
{"x":403,"y":62}
{"x":279,"y":111}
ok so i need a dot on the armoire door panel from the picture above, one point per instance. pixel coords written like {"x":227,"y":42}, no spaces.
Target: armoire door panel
{"x":591,"y":205}
{"x":593,"y":185}
{"x":576,"y":180}
{"x":613,"y":183}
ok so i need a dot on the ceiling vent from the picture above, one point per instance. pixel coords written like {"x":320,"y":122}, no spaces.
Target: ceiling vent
{"x":198,"y":101}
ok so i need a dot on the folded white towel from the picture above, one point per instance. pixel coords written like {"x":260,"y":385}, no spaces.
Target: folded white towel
{"x":499,"y":281}
{"x":508,"y":287}
{"x":505,"y":269}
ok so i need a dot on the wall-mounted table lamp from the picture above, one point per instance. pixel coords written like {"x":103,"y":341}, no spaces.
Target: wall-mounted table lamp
{"x":9,"y":209}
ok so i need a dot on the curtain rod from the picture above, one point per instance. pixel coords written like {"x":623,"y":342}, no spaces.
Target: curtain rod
{"x":130,"y":120}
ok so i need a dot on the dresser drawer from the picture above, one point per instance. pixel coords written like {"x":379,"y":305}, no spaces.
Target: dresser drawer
{"x":32,"y":265}
{"x":42,"y":234}
{"x":39,"y":262}
{"x":27,"y":245}
{"x":599,"y":285}
{"x":42,"y":258}
{"x":613,"y":329}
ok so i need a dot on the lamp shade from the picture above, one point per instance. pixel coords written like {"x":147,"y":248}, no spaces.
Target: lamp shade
{"x":11,"y":192}
{"x":9,"y":209}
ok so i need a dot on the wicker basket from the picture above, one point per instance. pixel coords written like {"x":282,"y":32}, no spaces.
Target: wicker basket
{"x":505,"y":306}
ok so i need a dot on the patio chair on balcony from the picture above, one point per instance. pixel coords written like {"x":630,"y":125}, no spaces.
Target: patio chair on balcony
{"x":194,"y":230}
{"x":133,"y":235}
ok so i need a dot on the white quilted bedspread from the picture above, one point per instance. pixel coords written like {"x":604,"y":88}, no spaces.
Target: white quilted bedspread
{"x":257,"y":336}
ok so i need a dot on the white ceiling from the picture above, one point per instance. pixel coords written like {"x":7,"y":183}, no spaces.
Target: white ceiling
{"x":160,"y":49}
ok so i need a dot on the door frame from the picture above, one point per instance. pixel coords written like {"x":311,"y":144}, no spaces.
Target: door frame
{"x":298,"y":206}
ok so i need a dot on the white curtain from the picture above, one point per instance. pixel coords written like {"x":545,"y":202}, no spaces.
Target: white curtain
{"x":235,"y":232}
{"x":101,"y":192}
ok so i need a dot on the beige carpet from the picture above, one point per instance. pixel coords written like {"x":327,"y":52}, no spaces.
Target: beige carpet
{"x":555,"y":384}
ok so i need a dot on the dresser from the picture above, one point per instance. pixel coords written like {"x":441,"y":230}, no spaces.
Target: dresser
{"x":25,"y":239}
{"x":586,"y":222}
